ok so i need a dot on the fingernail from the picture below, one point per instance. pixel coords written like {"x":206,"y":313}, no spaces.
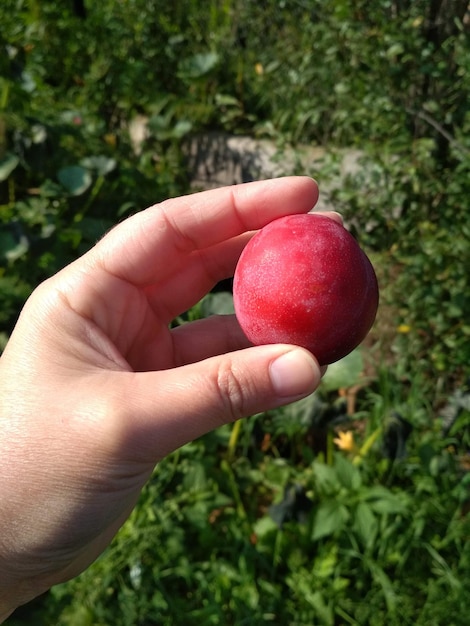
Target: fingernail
{"x":294,"y":374}
{"x":334,"y":215}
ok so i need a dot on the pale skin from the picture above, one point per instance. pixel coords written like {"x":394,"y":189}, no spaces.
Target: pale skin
{"x":95,"y":388}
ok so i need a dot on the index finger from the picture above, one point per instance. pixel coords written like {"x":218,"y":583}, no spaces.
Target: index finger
{"x":141,"y":249}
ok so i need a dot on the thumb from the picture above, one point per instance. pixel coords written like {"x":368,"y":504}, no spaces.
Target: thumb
{"x":171,"y":407}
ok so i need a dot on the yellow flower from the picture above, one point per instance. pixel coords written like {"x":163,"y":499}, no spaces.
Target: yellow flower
{"x":111,"y":140}
{"x":259,"y":69}
{"x":345,"y":440}
{"x":404,"y":329}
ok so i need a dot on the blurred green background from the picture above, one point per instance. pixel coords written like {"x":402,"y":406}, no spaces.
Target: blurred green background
{"x":350,"y":507}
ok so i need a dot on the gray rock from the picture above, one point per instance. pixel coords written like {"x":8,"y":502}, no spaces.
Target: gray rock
{"x":218,"y":159}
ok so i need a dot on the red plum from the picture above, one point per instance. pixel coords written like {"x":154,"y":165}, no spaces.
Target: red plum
{"x":304,"y":280}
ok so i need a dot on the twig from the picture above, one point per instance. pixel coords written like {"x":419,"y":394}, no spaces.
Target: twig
{"x":440,"y":129}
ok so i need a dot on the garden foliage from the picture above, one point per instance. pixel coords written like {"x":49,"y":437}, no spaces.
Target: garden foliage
{"x":263,"y":521}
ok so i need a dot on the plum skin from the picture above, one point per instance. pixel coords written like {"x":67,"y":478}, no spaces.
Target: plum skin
{"x":304,"y":280}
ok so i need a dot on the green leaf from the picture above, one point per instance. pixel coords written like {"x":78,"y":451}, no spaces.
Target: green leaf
{"x":197,"y":65}
{"x":125,"y":208}
{"x":163,"y":127}
{"x":344,"y":373}
{"x":101,"y":164}
{"x":181,"y":129}
{"x":326,"y":478}
{"x":51,"y":189}
{"x":12,"y":245}
{"x":265,"y":526}
{"x":365,"y":524}
{"x":319,"y":602}
{"x":348,"y":475}
{"x":222,"y":99}
{"x":220,"y":303}
{"x":326,"y":562}
{"x":75,"y":178}
{"x":7,"y":165}
{"x":195,"y":479}
{"x":92,"y":228}
{"x":330,"y":518}
{"x":381,"y":578}
{"x":383,"y":501}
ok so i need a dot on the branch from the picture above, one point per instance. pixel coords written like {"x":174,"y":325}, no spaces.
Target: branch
{"x":440,"y":129}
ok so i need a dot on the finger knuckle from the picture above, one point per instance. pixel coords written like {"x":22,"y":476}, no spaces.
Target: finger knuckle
{"x":234,"y":391}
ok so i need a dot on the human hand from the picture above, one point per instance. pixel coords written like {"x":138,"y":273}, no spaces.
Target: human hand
{"x":95,"y":387}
